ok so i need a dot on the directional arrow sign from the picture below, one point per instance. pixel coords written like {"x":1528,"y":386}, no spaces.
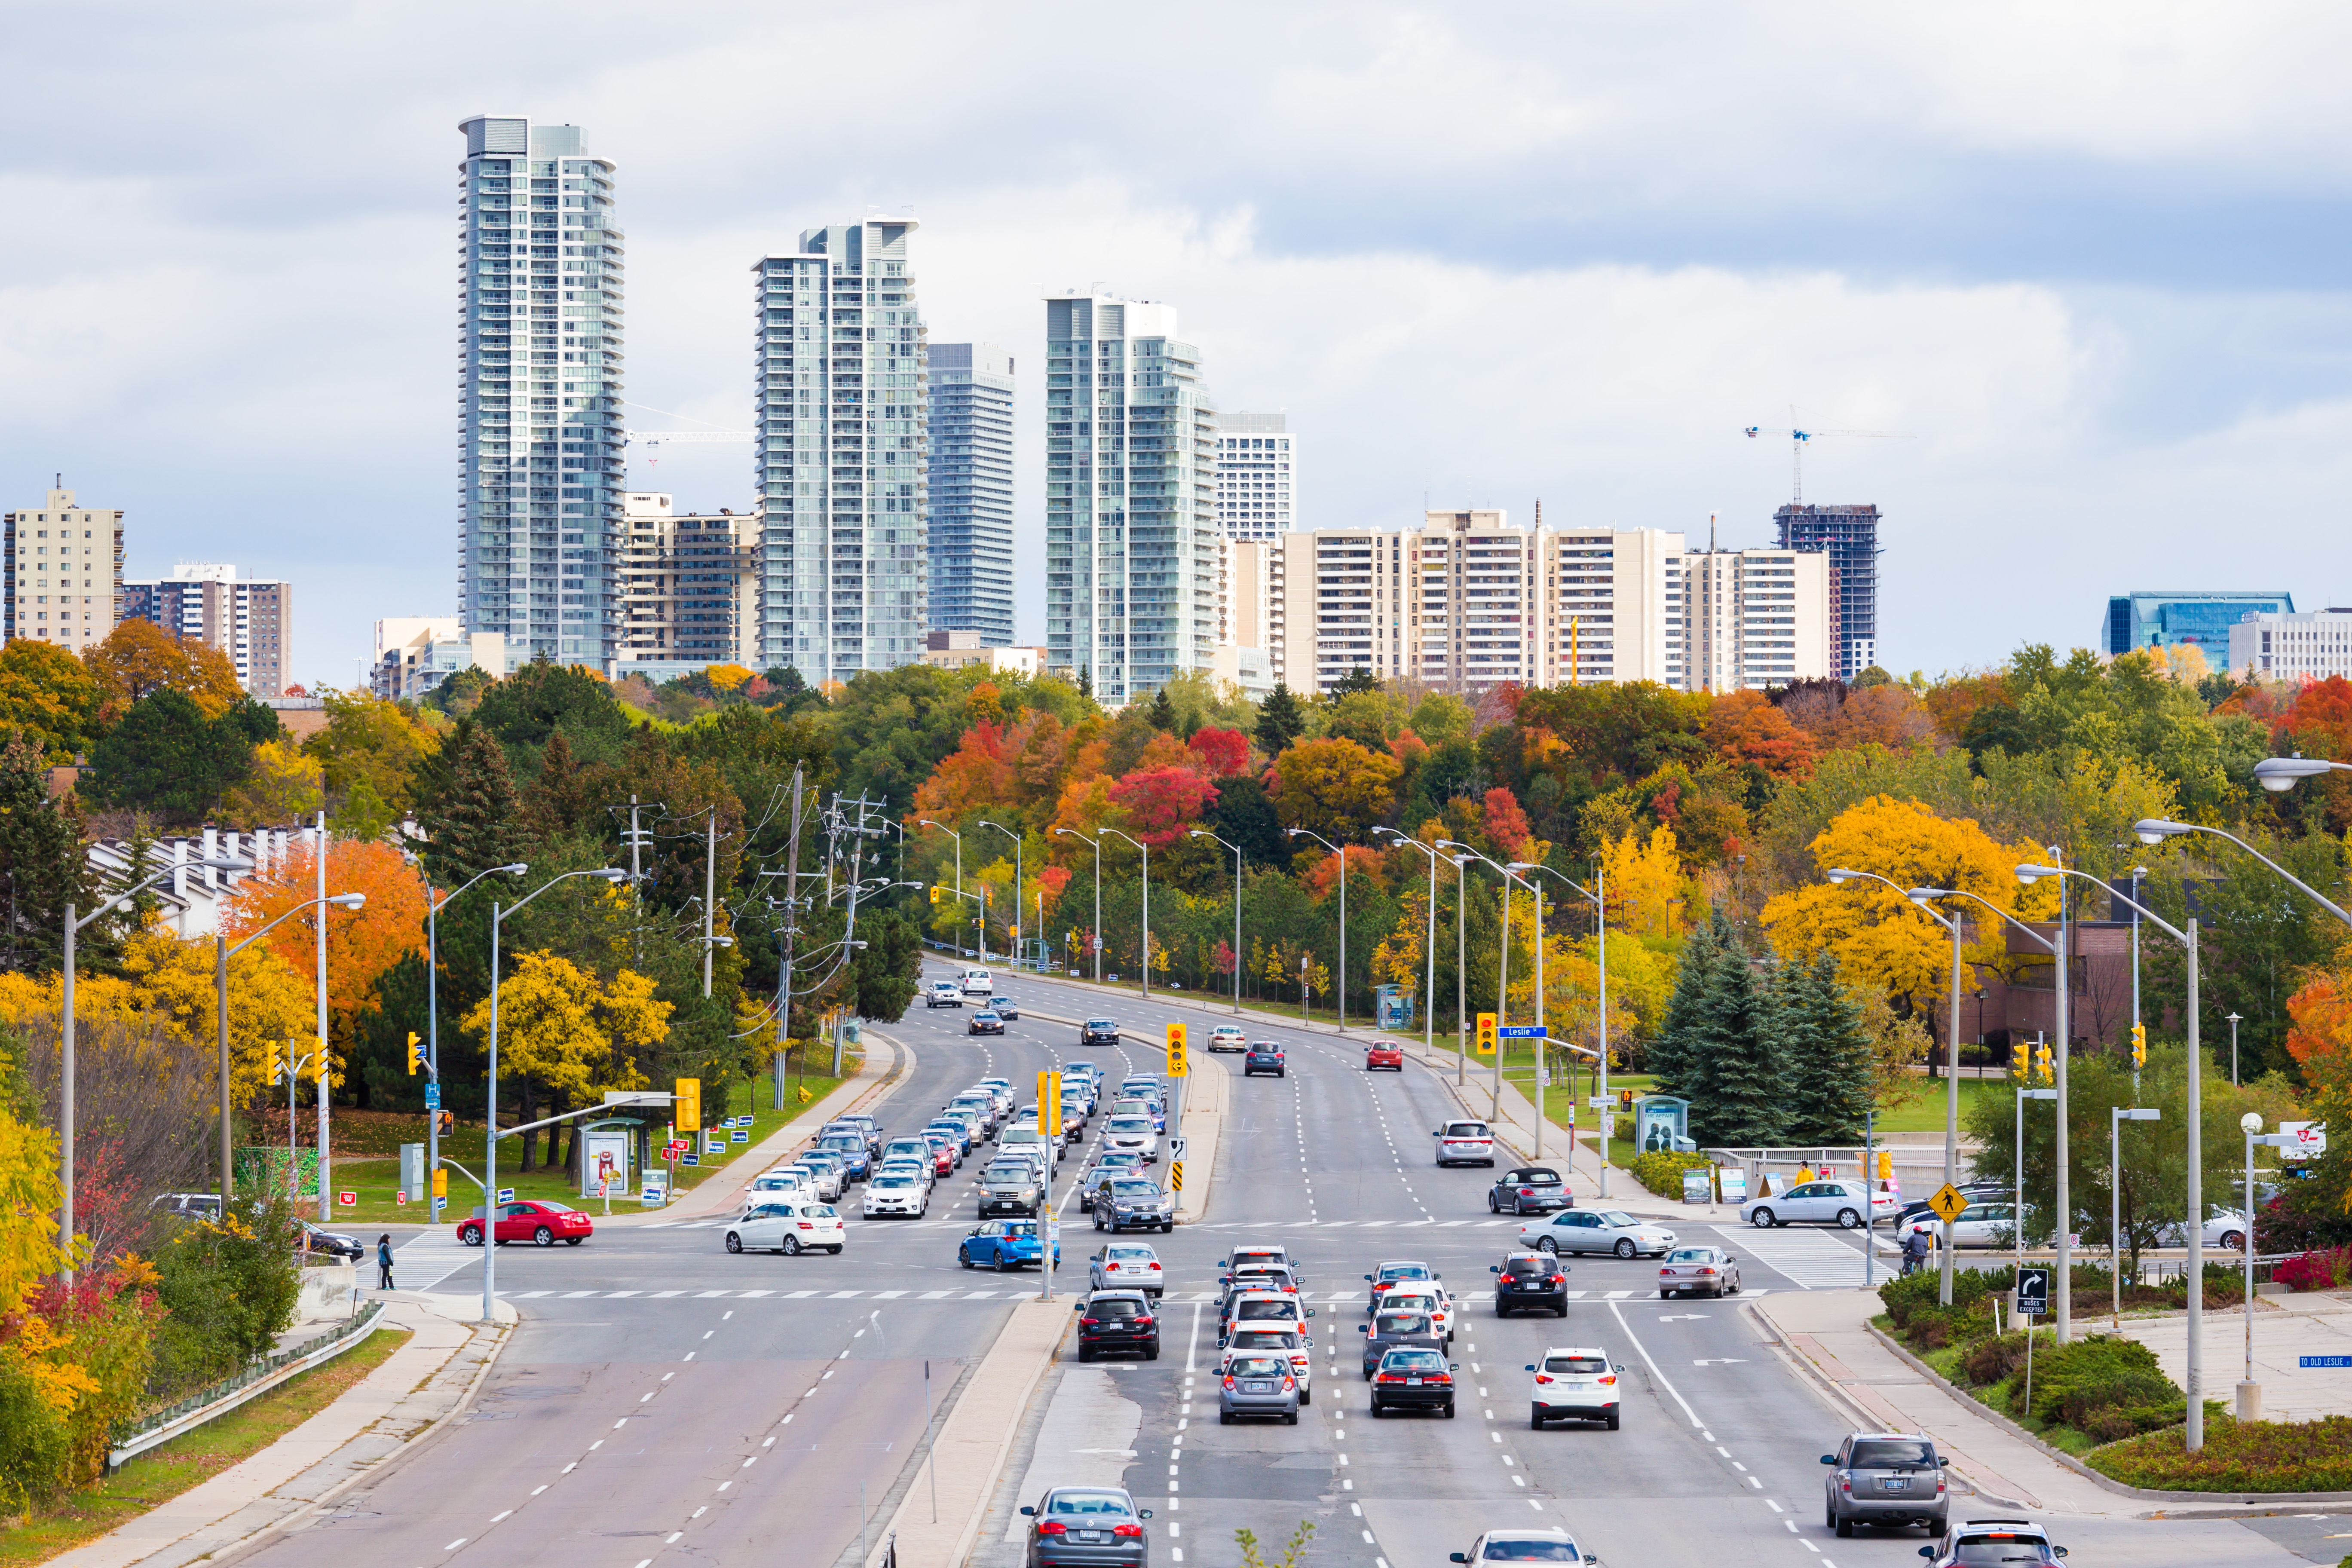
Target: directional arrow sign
{"x":1682,"y":1317}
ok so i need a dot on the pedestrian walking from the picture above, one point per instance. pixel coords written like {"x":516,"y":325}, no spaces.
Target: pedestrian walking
{"x":383,"y":1261}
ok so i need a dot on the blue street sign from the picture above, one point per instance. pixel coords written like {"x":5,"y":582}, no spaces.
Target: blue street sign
{"x":432,"y":1096}
{"x":506,"y":1194}
{"x":1524,"y":1032}
{"x":691,"y":1160}
{"x":739,"y":1136}
{"x":2325,"y":1360}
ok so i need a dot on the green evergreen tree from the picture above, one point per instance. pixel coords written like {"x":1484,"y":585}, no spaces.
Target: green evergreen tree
{"x":41,"y":863}
{"x":1163,"y":713}
{"x":1744,"y":1098}
{"x":1678,"y":1070}
{"x":1279,"y":720}
{"x":468,"y":805}
{"x":165,"y":757}
{"x":1833,"y":1078}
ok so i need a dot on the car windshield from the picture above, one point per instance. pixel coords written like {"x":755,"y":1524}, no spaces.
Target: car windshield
{"x":880,"y":1182}
{"x":1110,"y":1503}
{"x":1100,"y":1024}
{"x":1413,"y":1361}
{"x":1400,"y":1324}
{"x":1130,"y":1124}
{"x":1535,"y":1549}
{"x":1975,"y":1548}
{"x":1258,"y":1366}
{"x":1576,"y":1364}
{"x":1263,"y":1310}
{"x":1012,"y":1176}
{"x":1133,"y":1189}
{"x":1880,"y":1452}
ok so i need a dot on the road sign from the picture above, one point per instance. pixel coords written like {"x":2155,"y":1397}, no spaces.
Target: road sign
{"x":1523,"y":1032}
{"x":2310,"y":1140}
{"x":2311,"y":1362}
{"x":1599,"y":1102}
{"x":1947,"y":1202}
{"x":1176,"y":1175}
{"x":506,"y":1194}
{"x":2033,"y":1291}
{"x":348,"y":1200}
{"x":1175,"y":1148}
{"x":432,"y":1096}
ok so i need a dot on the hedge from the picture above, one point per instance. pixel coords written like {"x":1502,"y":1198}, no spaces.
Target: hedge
{"x":2252,"y":1457}
{"x":1661,"y":1173}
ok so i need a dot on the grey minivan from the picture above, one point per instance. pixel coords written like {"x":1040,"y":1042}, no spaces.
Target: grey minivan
{"x":1884,"y":1478}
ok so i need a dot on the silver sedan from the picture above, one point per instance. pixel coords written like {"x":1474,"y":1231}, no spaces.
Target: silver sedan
{"x":1699,"y":1270}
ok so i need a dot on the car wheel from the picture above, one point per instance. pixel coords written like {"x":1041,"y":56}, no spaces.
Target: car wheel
{"x":1378,"y":1410}
{"x":963,"y":1258}
{"x":1169,"y":1229}
{"x":1613,"y":1420}
{"x":1306,"y":1395}
{"x":543,"y":1237}
{"x":1492,"y":1205}
{"x":1548,"y":1244}
{"x":1290,"y":1418}
{"x":1535,"y":1417}
{"x":1666,"y":1295}
{"x":1003,"y":1261}
{"x":835,"y":1249}
{"x":2234,"y":1241}
{"x":1449,"y":1410}
{"x":1624,"y":1246}
{"x":1762,"y":1219}
{"x":1561,"y":1310}
{"x":792,"y":1246}
{"x":1849,"y":1220}
{"x":1845,"y":1530}
{"x":1151,"y":1354}
{"x":734,"y":1242}
{"x":470,"y":1236}
{"x":1085,"y":1353}
{"x":1829,"y":1514}
{"x":1224,"y":1417}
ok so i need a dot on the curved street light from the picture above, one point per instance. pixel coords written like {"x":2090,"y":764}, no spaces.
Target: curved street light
{"x":1205,"y":833}
{"x":1094,"y":938}
{"x":1146,"y":852}
{"x":1342,"y":854}
{"x":2157,"y":829}
{"x":1429,"y":942}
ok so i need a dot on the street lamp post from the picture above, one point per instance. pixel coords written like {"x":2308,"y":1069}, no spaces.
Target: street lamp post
{"x":1342,"y":854}
{"x":2234,"y":1019}
{"x":498,"y":914}
{"x":2017,"y":1202}
{"x":1094,"y":937}
{"x":1951,"y":1062}
{"x":2116,"y":1116}
{"x":1428,"y":947}
{"x":1145,"y":851}
{"x":1205,"y":833}
{"x":433,"y":1023}
{"x":1598,"y":897}
{"x":1017,"y":885}
{"x":1503,"y":981}
{"x":1461,"y":974}
{"x":1543,"y":1041}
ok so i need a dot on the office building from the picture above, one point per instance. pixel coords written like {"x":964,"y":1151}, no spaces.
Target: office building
{"x":843,"y":429}
{"x":63,"y":571}
{"x":970,"y":538}
{"x":2311,"y":646}
{"x":962,"y":649}
{"x":1754,"y":618}
{"x":414,"y":654}
{"x":689,"y":588}
{"x":251,"y":620}
{"x":1257,"y":467}
{"x":540,"y":360}
{"x":1848,"y":536}
{"x":2149,"y":618}
{"x":1130,"y":496}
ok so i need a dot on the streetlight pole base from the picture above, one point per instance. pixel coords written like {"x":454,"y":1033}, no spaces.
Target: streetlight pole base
{"x":2249,"y":1402}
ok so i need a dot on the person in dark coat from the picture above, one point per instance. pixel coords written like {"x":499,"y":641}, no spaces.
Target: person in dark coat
{"x":383,"y":1261}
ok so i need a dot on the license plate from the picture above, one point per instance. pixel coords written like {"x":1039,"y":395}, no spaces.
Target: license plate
{"x":1085,"y":1535}
{"x":1257,"y":1388}
{"x":1412,"y":1383}
{"x":1899,"y":1484}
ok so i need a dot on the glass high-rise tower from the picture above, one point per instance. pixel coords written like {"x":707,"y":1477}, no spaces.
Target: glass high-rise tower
{"x":971,"y":490}
{"x":541,"y":469}
{"x":1130,"y":496}
{"x":843,"y":423}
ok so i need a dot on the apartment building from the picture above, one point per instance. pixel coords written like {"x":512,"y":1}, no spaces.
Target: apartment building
{"x":970,"y":543}
{"x":2311,"y":645}
{"x":63,"y":578}
{"x":1754,"y":618}
{"x":414,"y":654}
{"x":689,"y":586}
{"x":249,"y":619}
{"x":1258,"y":475}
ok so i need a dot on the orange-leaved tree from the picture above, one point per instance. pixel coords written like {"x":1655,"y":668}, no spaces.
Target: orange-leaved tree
{"x":1746,"y":726}
{"x":361,"y":943}
{"x":140,"y":658}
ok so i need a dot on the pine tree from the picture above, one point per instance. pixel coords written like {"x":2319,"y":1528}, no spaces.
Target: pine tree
{"x":1744,"y":1101}
{"x":1163,"y":713}
{"x":470,"y":809}
{"x":41,"y":862}
{"x":1670,"y":1058}
{"x":1279,"y":722}
{"x":1834,"y":1086}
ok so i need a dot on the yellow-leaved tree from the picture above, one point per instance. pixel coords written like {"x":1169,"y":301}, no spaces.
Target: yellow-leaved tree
{"x":558,"y":1027}
{"x":1645,"y":879}
{"x":1881,"y":941}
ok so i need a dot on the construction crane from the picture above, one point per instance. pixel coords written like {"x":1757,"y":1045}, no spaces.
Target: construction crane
{"x":653,"y":438}
{"x":1797,"y":439}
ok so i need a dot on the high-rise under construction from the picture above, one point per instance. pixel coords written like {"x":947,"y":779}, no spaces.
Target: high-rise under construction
{"x":1848,"y":535}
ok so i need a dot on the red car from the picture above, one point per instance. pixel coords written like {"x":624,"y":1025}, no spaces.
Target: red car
{"x":542,"y":1224}
{"x":1384,"y":1054}
{"x":943,"y":1154}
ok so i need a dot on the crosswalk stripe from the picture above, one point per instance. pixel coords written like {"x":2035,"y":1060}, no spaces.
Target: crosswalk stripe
{"x":758,"y":1293}
{"x":887,"y":1295}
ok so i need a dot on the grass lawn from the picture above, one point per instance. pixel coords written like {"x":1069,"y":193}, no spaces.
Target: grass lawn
{"x":161,"y":1474}
{"x":366,"y":1148}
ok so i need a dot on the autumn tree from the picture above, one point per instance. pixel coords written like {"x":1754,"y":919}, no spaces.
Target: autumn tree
{"x":1335,"y":787}
{"x":1642,"y":882}
{"x":1220,"y":753}
{"x":361,"y":943}
{"x":370,"y":747}
{"x":561,"y":1030}
{"x":140,"y":659}
{"x":1747,"y":729}
{"x":1160,"y":803}
{"x":49,"y":698}
{"x":283,"y":786}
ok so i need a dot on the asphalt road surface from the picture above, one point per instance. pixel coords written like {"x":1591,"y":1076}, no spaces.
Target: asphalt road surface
{"x":665,"y":1402}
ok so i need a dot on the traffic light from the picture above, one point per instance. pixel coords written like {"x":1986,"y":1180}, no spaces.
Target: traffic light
{"x":2020,"y":1061}
{"x":415,"y":1057}
{"x":1485,"y":1038}
{"x":2140,"y":1044}
{"x":687,"y":1105}
{"x":1177,"y":1066}
{"x":2043,"y":1062}
{"x":448,"y":1124}
{"x":935,"y":892}
{"x":440,"y":1184}
{"x":1625,"y":1100}
{"x":318,"y":1069}
{"x":1049,"y":1104}
{"x":1886,"y":1164}
{"x":277,"y":1060}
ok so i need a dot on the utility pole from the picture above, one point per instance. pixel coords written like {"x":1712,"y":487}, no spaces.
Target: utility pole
{"x":710,"y":895}
{"x":326,"y":1071}
{"x":792,"y":929}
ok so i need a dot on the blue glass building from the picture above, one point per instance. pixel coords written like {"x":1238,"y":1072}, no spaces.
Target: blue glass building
{"x":2148,"y":618}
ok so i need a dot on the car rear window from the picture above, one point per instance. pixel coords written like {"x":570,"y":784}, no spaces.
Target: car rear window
{"x":1116,"y":1309}
{"x":1528,"y":1266}
{"x":1413,"y":1361}
{"x":1574,"y":1363}
{"x":1261,"y":1311}
{"x":1124,"y":1253}
{"x":1259,"y":1366}
{"x":1691,"y":1255}
{"x":1538,"y":1178}
{"x":1466,"y":1130}
{"x":1400,"y":1324}
{"x":1404,"y":1271}
{"x":1538,"y":1550}
{"x":1999,"y":1548}
{"x":1874,"y":1453}
{"x":1266,"y":1341}
{"x":1113,"y":1503}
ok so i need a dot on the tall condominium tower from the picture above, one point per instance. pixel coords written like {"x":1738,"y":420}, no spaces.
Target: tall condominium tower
{"x":1848,"y":535}
{"x":1257,"y":463}
{"x":62,"y":581}
{"x":971,"y":490}
{"x":843,"y":423}
{"x":540,"y":460}
{"x":1130,"y":497}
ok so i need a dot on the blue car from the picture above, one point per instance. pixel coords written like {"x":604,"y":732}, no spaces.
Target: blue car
{"x":851,"y":1147}
{"x":957,"y":1133}
{"x":1002,"y":1244}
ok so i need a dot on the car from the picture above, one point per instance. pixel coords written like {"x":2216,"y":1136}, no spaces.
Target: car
{"x":1261,"y":1274}
{"x":1464,"y":1143}
{"x":1001,"y":1090}
{"x":1086,"y":1527}
{"x":1843,"y":1203}
{"x":1134,"y":1133}
{"x":1029,"y":1136}
{"x":1972,"y":1191}
{"x":1260,"y":1252}
{"x":1698,"y":1271}
{"x":1427,"y":1297}
{"x":333,"y":1243}
{"x":1264,"y":1310}
{"x":1228,"y":1038}
{"x":1085,"y":1076}
{"x":1387,"y":1331}
{"x":1259,"y":1384}
{"x":1004,"y":1245}
{"x":1530,"y":1189}
{"x":943,"y":994}
{"x":1984,"y":1225}
{"x":1385,"y":1054}
{"x":982,"y":1103}
{"x":1116,"y":1320}
{"x":851,"y":1146}
{"x":788,"y":1228}
{"x":779,"y":1184}
{"x":1108,"y":1164}
{"x":1133,"y":1202}
{"x":1525,"y":1279}
{"x":902,"y":1195}
{"x":2004,"y":1540}
{"x":956,"y":1129}
{"x":987,"y":1021}
{"x":1886,"y":1477}
{"x":1004,"y":1007}
{"x":1075,"y":1112}
{"x":831,"y":1172}
{"x":1284,"y":1341}
{"x":1153,"y":1111}
{"x":1264,"y":1056}
{"x":539,"y":1222}
{"x":917,"y":1170}
{"x":1388,"y":1276}
{"x":187,"y":1205}
{"x":1011,"y":1186}
{"x":1573,"y":1382}
{"x":947,"y":1152}
{"x":1125,"y":1266}
{"x":977,"y":981}
{"x":1523,"y":1543}
{"x":913,"y":1146}
{"x":1597,"y":1230}
{"x":1099,"y":1032}
{"x":1412,"y":1378}
{"x":863,"y":1122}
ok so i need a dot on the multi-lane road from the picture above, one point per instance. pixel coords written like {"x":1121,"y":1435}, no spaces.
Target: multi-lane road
{"x":663,"y":1402}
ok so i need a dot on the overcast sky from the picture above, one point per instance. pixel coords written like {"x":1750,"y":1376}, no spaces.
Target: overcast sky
{"x":2088,"y":260}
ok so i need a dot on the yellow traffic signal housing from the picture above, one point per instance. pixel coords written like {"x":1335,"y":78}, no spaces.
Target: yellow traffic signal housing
{"x":2020,"y":1061}
{"x":935,"y":892}
{"x":686,"y":1108}
{"x":1049,"y":1104}
{"x":2045,"y":1062}
{"x":1886,"y":1164}
{"x":1178,"y":1066}
{"x":440,"y":1184}
{"x":1487,"y":1036}
{"x":2140,"y":1044}
{"x":415,"y":1057}
{"x":277,"y":1061}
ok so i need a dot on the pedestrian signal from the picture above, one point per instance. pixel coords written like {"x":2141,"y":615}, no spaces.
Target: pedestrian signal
{"x":415,"y":1057}
{"x":2140,"y":1044}
{"x":1486,"y":1034}
{"x":448,"y":1122}
{"x":1625,"y":1099}
{"x":1177,"y":1065}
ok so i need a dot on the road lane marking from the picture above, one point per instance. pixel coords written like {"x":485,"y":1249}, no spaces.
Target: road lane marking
{"x":509,"y":1514}
{"x":1628,"y":1327}
{"x":457,"y":1543}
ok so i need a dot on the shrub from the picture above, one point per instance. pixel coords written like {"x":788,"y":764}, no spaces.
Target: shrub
{"x":2256,"y":1457}
{"x":1661,"y":1173}
{"x":2314,"y":1271}
{"x":2104,"y":1384}
{"x":1994,"y":1359}
{"x":1911,"y":1301}
{"x":228,"y":1289}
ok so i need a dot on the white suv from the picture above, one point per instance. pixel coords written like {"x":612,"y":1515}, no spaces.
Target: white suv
{"x":943,"y":994}
{"x":979,"y":983}
{"x":1573,"y":1382}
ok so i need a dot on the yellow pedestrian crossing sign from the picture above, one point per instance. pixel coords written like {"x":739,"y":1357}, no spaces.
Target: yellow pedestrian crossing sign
{"x":1948,"y":1202}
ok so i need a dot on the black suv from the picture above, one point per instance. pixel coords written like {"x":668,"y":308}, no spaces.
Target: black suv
{"x":1099,"y":1032}
{"x":1531,"y":1280}
{"x":1117,"y":1320}
{"x":1530,"y":1189}
{"x":1262,"y":1055}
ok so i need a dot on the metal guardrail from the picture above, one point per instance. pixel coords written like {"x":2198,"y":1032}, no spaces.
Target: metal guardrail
{"x":220,"y":1398}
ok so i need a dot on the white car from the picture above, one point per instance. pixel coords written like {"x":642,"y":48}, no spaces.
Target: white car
{"x":1015,"y":1137}
{"x":1840,"y":1203}
{"x":921,"y":1170}
{"x":1464,"y":1143}
{"x":1422,"y":1295}
{"x":1573,"y":1382}
{"x":1597,"y":1230}
{"x":1134,"y":1134}
{"x":1228,"y":1038}
{"x":788,"y":1228}
{"x":979,"y":983}
{"x":896,"y":1194}
{"x":2224,"y":1229}
{"x":1978,"y":1224}
{"x":943,"y":994}
{"x":1126,"y":1265}
{"x":781,"y":1182}
{"x":1275,"y":1339}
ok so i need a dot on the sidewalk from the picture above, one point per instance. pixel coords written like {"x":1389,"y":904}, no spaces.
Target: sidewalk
{"x":2285,"y":1328}
{"x":418,"y":1387}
